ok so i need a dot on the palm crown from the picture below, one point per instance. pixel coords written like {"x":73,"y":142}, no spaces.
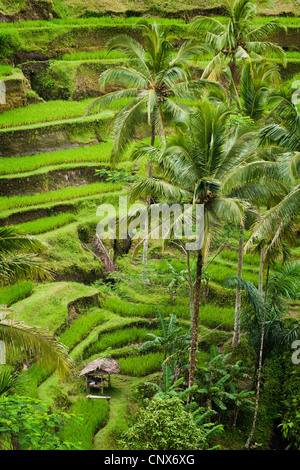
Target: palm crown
{"x":195,"y":165}
{"x":156,"y":81}
{"x":238,"y":39}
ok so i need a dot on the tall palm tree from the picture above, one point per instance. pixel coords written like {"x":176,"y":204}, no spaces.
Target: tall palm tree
{"x":155,"y":80}
{"x":237,"y":39}
{"x":264,"y":317}
{"x":277,"y":223}
{"x":19,"y":260}
{"x":256,"y":85}
{"x":193,"y":167}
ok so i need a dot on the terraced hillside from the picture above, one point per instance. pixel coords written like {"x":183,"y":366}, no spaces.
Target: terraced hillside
{"x":50,"y":186}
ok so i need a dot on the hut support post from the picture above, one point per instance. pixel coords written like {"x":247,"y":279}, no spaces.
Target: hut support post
{"x":102,"y":384}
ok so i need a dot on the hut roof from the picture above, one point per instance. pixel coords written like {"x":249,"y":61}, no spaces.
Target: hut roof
{"x":102,"y":364}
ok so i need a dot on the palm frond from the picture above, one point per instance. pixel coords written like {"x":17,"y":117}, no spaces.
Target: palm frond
{"x":30,"y":341}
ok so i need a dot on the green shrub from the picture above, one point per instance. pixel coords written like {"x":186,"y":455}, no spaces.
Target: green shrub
{"x":290,"y":399}
{"x":163,"y":425}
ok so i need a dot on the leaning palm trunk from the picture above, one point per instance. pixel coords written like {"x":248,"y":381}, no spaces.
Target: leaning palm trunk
{"x":247,"y":445}
{"x":236,"y":331}
{"x":195,"y":322}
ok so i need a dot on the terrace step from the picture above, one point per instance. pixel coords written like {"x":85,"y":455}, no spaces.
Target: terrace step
{"x":43,"y":181}
{"x":55,"y":135}
{"x":21,"y":215}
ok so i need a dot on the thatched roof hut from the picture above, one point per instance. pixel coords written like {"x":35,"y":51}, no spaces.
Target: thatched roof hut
{"x":100,"y":366}
{"x":95,"y":371}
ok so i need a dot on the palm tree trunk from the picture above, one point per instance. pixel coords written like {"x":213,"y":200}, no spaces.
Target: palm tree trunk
{"x":261,"y":269}
{"x":195,"y":322}
{"x":145,"y":244}
{"x":191,"y":287}
{"x":205,"y":288}
{"x":236,"y":331}
{"x":247,"y":445}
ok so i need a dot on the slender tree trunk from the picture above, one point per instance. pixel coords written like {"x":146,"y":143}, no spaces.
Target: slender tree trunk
{"x":261,"y":269}
{"x":232,"y":66}
{"x":235,"y":415}
{"x":191,"y":287}
{"x":205,"y":287}
{"x":247,"y":445}
{"x":195,"y":322}
{"x":146,"y":243}
{"x":236,"y":331}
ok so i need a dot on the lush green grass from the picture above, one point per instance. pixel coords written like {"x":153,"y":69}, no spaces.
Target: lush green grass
{"x":82,"y":325}
{"x":115,"y":322}
{"x":48,"y":304}
{"x":218,"y":272}
{"x":64,"y":194}
{"x":248,"y":258}
{"x":16,"y":292}
{"x":43,"y":112}
{"x":47,"y":224}
{"x":139,"y":366}
{"x":93,"y":154}
{"x":92,"y":414}
{"x":118,"y":339}
{"x":5,"y":70}
{"x":128,"y":309}
{"x":92,"y":55}
{"x":212,"y":317}
{"x":119,"y":20}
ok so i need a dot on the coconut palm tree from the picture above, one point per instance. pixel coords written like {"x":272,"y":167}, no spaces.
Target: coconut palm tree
{"x":19,"y":260}
{"x":256,"y":85}
{"x":192,"y":169}
{"x":264,"y":317}
{"x":277,"y":223}
{"x":237,"y":39}
{"x":155,"y":81}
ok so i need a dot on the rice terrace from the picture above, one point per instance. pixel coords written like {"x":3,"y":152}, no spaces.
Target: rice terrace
{"x":149,"y":226}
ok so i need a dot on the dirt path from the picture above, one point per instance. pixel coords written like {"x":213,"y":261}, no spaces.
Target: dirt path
{"x":121,"y":409}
